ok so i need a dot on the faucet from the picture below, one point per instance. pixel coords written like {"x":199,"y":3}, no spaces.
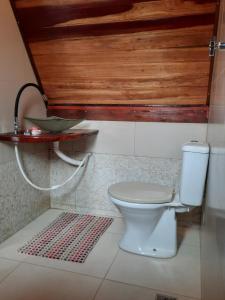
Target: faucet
{"x":16,"y":108}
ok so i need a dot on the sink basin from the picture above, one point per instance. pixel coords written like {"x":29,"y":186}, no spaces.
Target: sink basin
{"x":54,"y":124}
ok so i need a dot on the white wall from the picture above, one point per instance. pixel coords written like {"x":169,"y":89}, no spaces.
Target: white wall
{"x":15,"y":70}
{"x":19,"y":203}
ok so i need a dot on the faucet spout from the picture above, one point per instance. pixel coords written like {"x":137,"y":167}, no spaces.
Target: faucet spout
{"x":16,"y":108}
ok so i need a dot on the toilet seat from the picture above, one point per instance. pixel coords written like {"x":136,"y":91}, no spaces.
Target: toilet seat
{"x":141,"y":193}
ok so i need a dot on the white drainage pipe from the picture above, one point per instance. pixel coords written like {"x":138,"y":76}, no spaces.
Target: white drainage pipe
{"x":64,"y":157}
{"x":67,"y":159}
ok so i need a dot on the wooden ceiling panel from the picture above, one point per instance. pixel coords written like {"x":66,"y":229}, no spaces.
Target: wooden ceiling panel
{"x":120,"y":52}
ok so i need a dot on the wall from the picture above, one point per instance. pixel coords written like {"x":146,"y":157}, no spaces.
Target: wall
{"x":213,"y":228}
{"x":123,"y":151}
{"x":19,"y":204}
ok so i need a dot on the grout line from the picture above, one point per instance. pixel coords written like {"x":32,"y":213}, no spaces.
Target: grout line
{"x":59,"y":269}
{"x":117,"y":253}
{"x":73,"y":272}
{"x":12,"y":259}
{"x":12,"y":271}
{"x":154,"y":290}
{"x":104,"y":278}
{"x":98,"y":289}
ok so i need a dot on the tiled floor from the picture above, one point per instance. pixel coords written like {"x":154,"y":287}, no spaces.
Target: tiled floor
{"x":107,"y":274}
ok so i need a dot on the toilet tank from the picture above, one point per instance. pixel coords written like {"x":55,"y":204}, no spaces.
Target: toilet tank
{"x":193,"y":174}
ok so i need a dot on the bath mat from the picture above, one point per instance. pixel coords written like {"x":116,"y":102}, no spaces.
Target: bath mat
{"x":70,"y":237}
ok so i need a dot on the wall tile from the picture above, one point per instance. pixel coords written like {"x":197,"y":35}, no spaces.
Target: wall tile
{"x":89,"y":190}
{"x":113,"y":137}
{"x":20,"y":203}
{"x":165,"y":139}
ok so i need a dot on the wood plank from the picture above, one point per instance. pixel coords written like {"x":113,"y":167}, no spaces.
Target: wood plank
{"x":149,"y":53}
{"x":178,"y":38}
{"x":187,"y":114}
{"x":93,"y":30}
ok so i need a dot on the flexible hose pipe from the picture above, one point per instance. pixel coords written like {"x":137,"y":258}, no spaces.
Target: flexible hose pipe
{"x":80,"y":164}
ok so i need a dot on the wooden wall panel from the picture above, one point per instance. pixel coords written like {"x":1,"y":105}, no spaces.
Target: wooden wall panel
{"x":120,"y":52}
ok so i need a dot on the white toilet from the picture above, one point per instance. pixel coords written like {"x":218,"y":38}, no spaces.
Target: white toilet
{"x":149,"y":210}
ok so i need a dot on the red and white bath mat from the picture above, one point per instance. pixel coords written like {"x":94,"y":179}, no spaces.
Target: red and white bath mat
{"x":70,"y":237}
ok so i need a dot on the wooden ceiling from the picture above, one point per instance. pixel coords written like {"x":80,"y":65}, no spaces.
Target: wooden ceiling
{"x":113,"y":52}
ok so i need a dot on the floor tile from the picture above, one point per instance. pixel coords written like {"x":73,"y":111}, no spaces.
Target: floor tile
{"x":8,"y":249}
{"x":6,"y":267}
{"x":117,"y":226}
{"x":113,"y":290}
{"x":33,"y":282}
{"x":179,"y":275}
{"x":129,"y":276}
{"x":97,"y":263}
{"x":189,"y":235}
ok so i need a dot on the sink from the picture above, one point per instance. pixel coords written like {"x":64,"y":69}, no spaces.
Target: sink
{"x":54,"y":124}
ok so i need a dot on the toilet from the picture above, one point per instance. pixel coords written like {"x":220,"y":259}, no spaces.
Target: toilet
{"x":149,"y":210}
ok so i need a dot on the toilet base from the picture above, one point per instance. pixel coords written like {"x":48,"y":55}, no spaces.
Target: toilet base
{"x":157,"y":239}
{"x":159,"y":253}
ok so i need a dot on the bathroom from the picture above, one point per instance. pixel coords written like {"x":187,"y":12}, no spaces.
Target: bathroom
{"x":138,"y":142}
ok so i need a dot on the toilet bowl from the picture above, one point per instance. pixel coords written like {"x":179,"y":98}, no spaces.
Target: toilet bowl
{"x":149,"y":210}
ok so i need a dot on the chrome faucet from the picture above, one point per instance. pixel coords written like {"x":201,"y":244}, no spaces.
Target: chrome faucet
{"x":16,"y":108}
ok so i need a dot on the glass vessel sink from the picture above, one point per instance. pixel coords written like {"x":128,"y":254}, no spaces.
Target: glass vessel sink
{"x":54,"y":124}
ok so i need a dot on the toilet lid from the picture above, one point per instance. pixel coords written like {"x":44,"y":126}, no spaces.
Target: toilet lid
{"x":140,"y":192}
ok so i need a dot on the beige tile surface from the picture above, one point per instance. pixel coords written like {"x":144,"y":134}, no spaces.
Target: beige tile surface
{"x":97,"y":263}
{"x":113,"y":137}
{"x":189,"y":235}
{"x":165,"y":139}
{"x":113,"y":290}
{"x":8,"y":249}
{"x":117,"y":226}
{"x":179,"y":275}
{"x":152,"y":139}
{"x":6,"y":267}
{"x":129,"y":276}
{"x":29,"y":282}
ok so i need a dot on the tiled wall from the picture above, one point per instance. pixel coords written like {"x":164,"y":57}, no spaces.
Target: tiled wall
{"x":122,"y":151}
{"x":19,"y":203}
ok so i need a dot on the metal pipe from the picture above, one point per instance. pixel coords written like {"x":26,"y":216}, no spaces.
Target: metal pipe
{"x":16,"y":108}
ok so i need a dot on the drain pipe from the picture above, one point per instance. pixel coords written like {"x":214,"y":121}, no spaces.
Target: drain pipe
{"x":61,"y":155}
{"x":64,"y":157}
